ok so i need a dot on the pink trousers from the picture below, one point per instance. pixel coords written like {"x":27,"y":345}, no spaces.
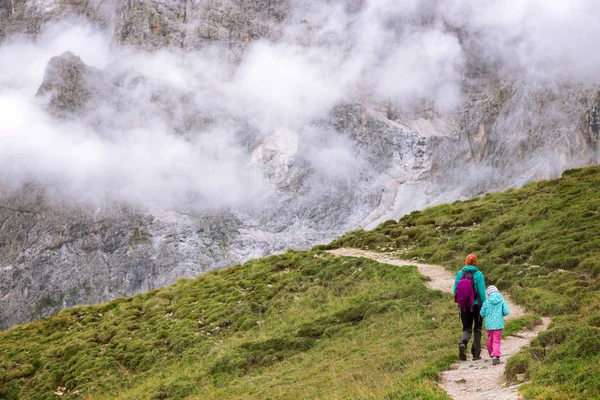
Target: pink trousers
{"x":493,"y":342}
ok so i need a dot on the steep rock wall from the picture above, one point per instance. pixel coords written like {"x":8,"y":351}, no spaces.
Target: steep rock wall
{"x":55,"y":253}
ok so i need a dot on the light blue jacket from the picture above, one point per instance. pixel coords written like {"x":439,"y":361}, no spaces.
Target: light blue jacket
{"x":494,"y":310}
{"x":477,"y":278}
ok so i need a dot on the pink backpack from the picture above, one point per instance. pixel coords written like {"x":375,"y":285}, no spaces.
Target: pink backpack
{"x":465,"y":291}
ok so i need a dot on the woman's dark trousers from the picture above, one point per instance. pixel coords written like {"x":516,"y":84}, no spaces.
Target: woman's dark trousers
{"x":471,"y":320}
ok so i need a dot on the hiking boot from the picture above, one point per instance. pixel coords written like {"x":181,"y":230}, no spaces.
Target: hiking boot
{"x":495,"y":361}
{"x":475,"y":358}
{"x":462,"y":351}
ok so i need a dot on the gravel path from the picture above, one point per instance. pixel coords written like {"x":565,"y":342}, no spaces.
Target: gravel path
{"x":482,"y":380}
{"x":466,"y":379}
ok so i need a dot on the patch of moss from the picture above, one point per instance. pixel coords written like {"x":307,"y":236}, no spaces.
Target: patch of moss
{"x":139,"y":236}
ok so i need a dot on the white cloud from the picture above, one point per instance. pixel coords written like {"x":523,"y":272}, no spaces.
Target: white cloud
{"x":130,"y":148}
{"x":543,"y":39}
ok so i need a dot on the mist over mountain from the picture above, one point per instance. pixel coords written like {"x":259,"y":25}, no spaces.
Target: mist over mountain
{"x":143,"y":141}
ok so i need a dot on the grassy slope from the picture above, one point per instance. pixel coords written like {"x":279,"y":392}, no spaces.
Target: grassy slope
{"x":305,"y":325}
{"x":299,"y":325}
{"x":542,"y":244}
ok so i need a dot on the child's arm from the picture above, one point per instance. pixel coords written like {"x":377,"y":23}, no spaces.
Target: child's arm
{"x":483,"y":311}
{"x":505,"y":309}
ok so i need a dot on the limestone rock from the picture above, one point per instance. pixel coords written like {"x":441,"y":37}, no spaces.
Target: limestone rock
{"x":520,"y":132}
{"x":27,"y":17}
{"x":155,"y":24}
{"x":69,"y":83}
{"x":54,"y":254}
{"x":193,"y":23}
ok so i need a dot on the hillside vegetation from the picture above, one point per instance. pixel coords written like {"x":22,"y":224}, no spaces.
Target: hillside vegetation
{"x":540,"y":243}
{"x":302,"y":325}
{"x":306,"y":325}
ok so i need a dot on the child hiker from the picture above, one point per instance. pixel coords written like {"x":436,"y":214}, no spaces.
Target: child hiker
{"x":494,"y":310}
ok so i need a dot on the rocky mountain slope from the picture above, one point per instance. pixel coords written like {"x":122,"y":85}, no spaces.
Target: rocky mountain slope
{"x":357,"y":162}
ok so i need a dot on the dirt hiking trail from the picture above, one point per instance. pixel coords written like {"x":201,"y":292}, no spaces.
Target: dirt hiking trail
{"x":466,"y":379}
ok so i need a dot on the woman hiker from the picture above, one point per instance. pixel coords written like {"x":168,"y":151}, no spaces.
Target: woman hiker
{"x":469,"y":291}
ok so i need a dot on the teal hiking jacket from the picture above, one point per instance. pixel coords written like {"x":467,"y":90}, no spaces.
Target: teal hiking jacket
{"x":494,"y":310}
{"x":477,"y":278}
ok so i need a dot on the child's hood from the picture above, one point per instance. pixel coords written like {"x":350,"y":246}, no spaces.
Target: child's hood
{"x":495,"y":298}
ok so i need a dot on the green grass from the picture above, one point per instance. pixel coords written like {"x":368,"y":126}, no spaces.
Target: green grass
{"x":302,"y":325}
{"x":540,"y":243}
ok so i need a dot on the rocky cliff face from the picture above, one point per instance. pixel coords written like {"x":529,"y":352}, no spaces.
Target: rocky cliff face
{"x":522,"y":133}
{"x":152,"y":25}
{"x":193,"y":24}
{"x":26,"y":18}
{"x":56,"y":253}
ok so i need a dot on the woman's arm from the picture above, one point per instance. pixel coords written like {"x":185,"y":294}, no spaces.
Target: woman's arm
{"x":480,"y":284}
{"x":484,"y":308}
